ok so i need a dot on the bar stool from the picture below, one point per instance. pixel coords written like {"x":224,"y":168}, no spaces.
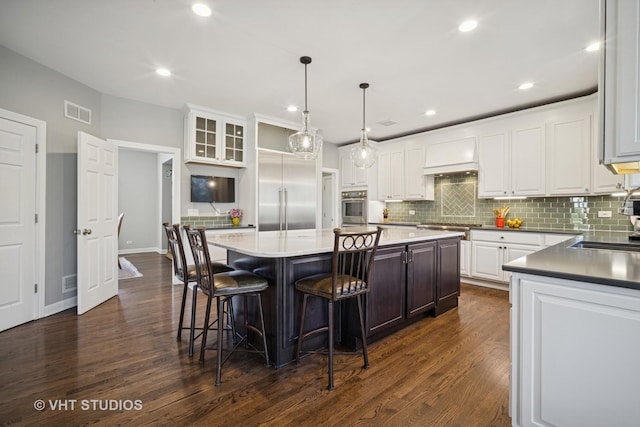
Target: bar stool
{"x":352,"y":262}
{"x":187,"y":274}
{"x":223,"y":287}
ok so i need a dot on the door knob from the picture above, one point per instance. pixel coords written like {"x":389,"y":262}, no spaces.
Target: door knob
{"x":86,"y":231}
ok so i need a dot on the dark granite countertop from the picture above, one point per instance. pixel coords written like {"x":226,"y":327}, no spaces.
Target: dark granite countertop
{"x":613,"y":267}
{"x":529,"y":229}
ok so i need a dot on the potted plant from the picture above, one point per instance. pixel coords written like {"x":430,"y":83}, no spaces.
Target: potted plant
{"x":235,"y":215}
{"x":385,"y":215}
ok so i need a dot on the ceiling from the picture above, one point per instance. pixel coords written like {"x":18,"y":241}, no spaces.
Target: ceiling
{"x":244,"y":58}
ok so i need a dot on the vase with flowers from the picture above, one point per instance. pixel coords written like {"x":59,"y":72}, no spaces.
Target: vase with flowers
{"x":235,"y":215}
{"x":385,"y":215}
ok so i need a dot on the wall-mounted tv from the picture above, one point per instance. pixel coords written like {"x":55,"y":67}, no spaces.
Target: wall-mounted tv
{"x":213,"y":189}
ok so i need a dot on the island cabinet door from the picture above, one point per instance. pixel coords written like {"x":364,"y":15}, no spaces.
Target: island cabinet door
{"x":386,"y":298}
{"x":421,"y":278}
{"x":448,"y":283}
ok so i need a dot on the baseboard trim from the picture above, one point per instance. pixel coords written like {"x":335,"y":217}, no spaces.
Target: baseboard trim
{"x":484,"y":283}
{"x":142,"y":251}
{"x":59,"y":306}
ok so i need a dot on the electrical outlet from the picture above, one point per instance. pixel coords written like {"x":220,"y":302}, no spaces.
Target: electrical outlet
{"x":129,"y":242}
{"x":412,"y":212}
{"x":604,"y":214}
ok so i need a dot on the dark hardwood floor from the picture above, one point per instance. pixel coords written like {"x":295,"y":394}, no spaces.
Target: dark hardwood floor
{"x":452,"y":370}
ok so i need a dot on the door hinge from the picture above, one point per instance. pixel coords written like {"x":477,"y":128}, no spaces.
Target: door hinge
{"x":37,"y":148}
{"x":35,"y":288}
{"x":36,"y":218}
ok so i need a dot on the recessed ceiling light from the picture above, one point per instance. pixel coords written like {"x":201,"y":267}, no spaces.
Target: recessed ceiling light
{"x":593,"y":47}
{"x":525,"y":86}
{"x":163,"y":72}
{"x":201,"y":9}
{"x":292,"y":108}
{"x":468,"y":26}
{"x":430,"y":113}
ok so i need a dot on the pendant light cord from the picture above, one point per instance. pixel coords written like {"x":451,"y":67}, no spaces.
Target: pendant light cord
{"x":363,"y":109}
{"x":305,"y":89}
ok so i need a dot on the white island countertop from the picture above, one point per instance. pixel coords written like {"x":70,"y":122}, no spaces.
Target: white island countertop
{"x":282,"y":244}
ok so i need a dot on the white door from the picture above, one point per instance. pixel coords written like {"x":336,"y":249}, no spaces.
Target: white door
{"x":327,"y":201}
{"x":17,"y":223}
{"x":97,"y":221}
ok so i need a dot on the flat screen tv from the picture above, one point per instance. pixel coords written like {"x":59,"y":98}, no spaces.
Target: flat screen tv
{"x":212,"y":189}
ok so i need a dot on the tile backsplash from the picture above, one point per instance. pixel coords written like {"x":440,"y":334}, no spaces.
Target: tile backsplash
{"x":456,"y":201}
{"x":207,"y":221}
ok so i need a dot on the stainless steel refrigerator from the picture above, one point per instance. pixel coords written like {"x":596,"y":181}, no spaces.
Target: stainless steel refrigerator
{"x":287,"y":192}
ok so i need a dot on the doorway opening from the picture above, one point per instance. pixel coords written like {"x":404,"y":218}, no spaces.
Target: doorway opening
{"x":330,"y":212}
{"x":160,"y":182}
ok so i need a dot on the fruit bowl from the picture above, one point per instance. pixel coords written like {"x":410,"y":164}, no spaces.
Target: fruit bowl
{"x":514,"y":223}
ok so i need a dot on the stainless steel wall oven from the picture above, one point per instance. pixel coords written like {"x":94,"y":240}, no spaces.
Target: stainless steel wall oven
{"x":354,"y":207}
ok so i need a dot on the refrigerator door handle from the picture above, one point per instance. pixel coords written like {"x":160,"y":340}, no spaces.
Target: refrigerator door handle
{"x":280,"y":209}
{"x":286,"y":206}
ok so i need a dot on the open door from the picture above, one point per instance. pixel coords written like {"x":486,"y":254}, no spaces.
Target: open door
{"x":97,"y":221}
{"x":17,"y":223}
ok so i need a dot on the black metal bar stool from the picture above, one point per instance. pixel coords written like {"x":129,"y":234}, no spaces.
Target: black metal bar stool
{"x":352,"y":262}
{"x":223,"y":287}
{"x":187,"y":274}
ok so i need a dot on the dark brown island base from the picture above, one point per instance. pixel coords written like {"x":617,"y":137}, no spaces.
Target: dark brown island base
{"x":416,"y":273}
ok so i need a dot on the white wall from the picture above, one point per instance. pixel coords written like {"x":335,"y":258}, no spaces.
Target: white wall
{"x":61,"y":220}
{"x":138,"y":198}
{"x":330,"y":158}
{"x":34,"y":90}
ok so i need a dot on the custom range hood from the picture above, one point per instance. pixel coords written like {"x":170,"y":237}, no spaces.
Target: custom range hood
{"x":449,"y":157}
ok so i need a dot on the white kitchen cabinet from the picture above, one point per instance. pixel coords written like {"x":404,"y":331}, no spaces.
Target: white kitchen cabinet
{"x":488,"y":258}
{"x":391,"y":175}
{"x":574,"y":353}
{"x":350,"y":175}
{"x":215,"y":138}
{"x":527,"y":158}
{"x":619,"y":85}
{"x":465,"y":258}
{"x":603,"y":181}
{"x":494,"y":173}
{"x":569,"y":156}
{"x":553,"y":239}
{"x":491,"y":249}
{"x":512,"y":162}
{"x":417,"y":185}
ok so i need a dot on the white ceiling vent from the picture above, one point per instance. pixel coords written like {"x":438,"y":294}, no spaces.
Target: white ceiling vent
{"x":77,"y":112}
{"x":387,"y":122}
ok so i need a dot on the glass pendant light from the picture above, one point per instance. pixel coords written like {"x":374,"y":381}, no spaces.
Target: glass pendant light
{"x":364,"y":155}
{"x":305,"y":144}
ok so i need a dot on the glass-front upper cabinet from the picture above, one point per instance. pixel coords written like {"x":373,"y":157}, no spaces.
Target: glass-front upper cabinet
{"x":213,"y":137}
{"x":234,"y":142}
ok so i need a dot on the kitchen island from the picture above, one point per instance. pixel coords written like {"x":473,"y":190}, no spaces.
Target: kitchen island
{"x":416,"y":272}
{"x":575,"y":333}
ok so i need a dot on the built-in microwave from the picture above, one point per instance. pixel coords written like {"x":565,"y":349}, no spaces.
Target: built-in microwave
{"x":354,"y":207}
